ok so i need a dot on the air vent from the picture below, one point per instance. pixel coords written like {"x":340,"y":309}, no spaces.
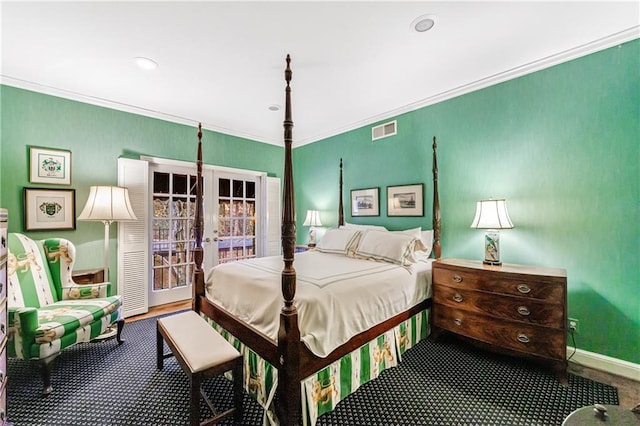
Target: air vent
{"x":384,"y":130}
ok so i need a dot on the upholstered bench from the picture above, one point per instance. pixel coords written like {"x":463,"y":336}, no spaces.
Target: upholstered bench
{"x":201,"y":352}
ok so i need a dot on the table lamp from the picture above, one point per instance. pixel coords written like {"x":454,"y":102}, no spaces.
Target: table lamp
{"x":312,"y":220}
{"x":492,"y":215}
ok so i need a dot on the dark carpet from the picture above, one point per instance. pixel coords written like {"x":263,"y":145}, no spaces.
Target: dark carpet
{"x":438,"y":383}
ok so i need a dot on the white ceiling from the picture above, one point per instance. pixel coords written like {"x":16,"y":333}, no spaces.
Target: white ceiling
{"x":353,"y":63}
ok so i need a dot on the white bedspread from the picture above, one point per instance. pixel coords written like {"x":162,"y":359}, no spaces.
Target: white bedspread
{"x":337,"y":297}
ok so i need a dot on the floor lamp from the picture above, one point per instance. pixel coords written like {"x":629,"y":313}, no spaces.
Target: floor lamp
{"x":108,"y":204}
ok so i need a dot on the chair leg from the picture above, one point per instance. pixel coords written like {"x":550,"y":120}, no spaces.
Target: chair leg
{"x":119,"y":338}
{"x":45,"y":371}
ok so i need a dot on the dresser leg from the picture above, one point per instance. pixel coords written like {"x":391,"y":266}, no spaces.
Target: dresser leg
{"x":560,"y":368}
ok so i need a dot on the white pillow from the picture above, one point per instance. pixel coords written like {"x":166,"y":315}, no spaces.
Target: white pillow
{"x":427,"y":240}
{"x":339,"y":241}
{"x":392,"y":247}
{"x":362,"y":227}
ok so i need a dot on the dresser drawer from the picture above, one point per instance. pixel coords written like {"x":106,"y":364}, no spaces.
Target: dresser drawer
{"x":3,"y":322}
{"x":528,"y":338}
{"x":3,"y":281}
{"x":509,"y":307}
{"x":3,"y":406}
{"x":499,"y":283}
{"x":3,"y":365}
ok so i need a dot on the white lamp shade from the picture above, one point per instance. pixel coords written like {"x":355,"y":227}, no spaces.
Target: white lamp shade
{"x":312,"y":219}
{"x":108,"y":203}
{"x":492,"y":214}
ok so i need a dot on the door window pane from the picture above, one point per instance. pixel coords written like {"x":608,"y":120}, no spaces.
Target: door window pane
{"x":224,"y":188}
{"x":173,"y":220}
{"x":236,"y":220}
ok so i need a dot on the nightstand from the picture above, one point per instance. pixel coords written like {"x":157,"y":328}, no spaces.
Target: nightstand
{"x":521,"y":310}
{"x":88,"y":276}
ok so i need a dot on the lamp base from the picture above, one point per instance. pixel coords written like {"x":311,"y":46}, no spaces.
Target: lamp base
{"x":492,"y":248}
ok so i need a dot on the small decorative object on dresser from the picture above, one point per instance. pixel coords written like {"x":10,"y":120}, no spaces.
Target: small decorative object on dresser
{"x":521,"y":310}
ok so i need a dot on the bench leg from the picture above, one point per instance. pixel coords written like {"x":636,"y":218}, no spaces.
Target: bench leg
{"x":195,"y":381}
{"x":159,"y":349}
{"x":238,"y":384}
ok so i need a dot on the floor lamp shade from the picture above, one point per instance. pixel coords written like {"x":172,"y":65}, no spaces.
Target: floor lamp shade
{"x":492,"y":215}
{"x":107,"y":204}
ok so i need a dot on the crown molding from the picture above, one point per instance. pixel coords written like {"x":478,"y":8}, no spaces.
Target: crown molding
{"x":538,"y":65}
{"x":565,"y":56}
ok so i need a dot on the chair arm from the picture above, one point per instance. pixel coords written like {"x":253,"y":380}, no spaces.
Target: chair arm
{"x":85,"y":291}
{"x":23,"y":323}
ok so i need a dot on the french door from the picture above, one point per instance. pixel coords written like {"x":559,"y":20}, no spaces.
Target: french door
{"x":237,"y":228}
{"x":231,"y":229}
{"x":172,"y":228}
{"x":155,"y":253}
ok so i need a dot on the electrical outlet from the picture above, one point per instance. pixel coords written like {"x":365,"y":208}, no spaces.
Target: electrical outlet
{"x":572,"y":325}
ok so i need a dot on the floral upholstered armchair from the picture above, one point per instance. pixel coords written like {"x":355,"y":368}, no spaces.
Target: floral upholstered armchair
{"x":48,"y":312}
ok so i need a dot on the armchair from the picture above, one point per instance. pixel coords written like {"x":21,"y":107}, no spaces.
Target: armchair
{"x":48,"y":311}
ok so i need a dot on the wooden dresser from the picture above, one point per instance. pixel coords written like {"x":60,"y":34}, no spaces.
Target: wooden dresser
{"x":4,"y":252}
{"x":519,"y":309}
{"x":88,"y":276}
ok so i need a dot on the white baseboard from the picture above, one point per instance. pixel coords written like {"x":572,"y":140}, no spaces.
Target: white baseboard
{"x":605,"y":363}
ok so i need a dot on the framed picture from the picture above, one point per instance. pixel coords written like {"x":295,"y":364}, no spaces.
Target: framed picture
{"x":49,"y":166}
{"x":365,"y":202}
{"x":49,"y":209}
{"x":405,"y":200}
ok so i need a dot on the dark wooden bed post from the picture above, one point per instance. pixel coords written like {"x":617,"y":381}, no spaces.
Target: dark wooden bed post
{"x":437,"y":220}
{"x":198,"y":254}
{"x":289,"y":395}
{"x":340,"y":205}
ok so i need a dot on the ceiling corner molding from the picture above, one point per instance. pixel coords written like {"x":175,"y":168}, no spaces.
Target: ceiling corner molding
{"x":105,"y":103}
{"x":538,"y":65}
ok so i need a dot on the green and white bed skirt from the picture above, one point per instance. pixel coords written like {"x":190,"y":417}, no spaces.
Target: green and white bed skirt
{"x":322,"y":391}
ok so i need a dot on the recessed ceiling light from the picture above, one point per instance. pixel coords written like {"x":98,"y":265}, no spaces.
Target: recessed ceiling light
{"x":146,"y":63}
{"x":274,"y":107}
{"x":423,"y":23}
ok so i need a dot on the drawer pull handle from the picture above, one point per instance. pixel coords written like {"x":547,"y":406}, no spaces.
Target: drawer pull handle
{"x":524,"y":311}
{"x":523,"y":338}
{"x":457,"y":278}
{"x":524,"y":289}
{"x":457,"y":297}
{"x":457,"y":321}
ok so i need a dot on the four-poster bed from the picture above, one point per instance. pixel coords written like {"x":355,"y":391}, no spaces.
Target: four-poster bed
{"x":284,"y":349}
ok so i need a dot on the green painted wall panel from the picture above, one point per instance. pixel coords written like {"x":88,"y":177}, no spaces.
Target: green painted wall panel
{"x":562,"y":145}
{"x":97,"y":137}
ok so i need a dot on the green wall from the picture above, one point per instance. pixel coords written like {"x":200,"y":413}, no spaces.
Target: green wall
{"x":97,"y":137}
{"x":562,"y":145}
